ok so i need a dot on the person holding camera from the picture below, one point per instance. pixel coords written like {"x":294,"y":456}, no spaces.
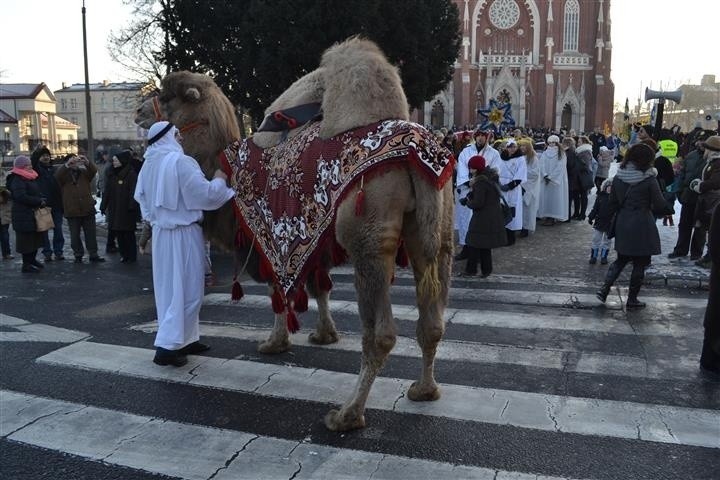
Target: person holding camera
{"x":487,"y":224}
{"x":75,"y":177}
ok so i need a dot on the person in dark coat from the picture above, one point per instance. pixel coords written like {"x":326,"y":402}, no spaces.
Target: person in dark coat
{"x":636,"y":200}
{"x":691,"y":238}
{"x":600,"y":218}
{"x":487,"y":225}
{"x":22,"y":183}
{"x":50,"y":189}
{"x":118,"y":205}
{"x":710,"y":357}
{"x":708,"y":189}
{"x":573,"y":174}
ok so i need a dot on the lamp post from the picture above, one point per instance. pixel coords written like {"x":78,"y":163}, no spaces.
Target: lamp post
{"x":88,"y":113}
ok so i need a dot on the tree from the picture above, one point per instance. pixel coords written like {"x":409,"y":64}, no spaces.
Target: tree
{"x":256,"y":48}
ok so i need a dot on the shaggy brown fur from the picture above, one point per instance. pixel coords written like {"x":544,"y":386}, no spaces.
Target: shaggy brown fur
{"x":358,"y":86}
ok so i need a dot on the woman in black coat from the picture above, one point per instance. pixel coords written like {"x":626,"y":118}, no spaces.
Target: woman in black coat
{"x":487,"y":225}
{"x":22,"y":183}
{"x":118,"y":205}
{"x":636,"y":200}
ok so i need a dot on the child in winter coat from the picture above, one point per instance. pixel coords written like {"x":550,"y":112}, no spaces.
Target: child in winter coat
{"x":601,"y":220}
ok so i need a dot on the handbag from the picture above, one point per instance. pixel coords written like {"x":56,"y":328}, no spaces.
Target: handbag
{"x":507,"y":211}
{"x":613,"y":222}
{"x":43,"y":219}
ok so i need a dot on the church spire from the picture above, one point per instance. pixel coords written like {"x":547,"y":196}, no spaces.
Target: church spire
{"x":599,"y":42}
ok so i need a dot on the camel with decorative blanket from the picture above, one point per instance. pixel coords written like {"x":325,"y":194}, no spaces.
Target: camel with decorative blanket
{"x":376,"y":189}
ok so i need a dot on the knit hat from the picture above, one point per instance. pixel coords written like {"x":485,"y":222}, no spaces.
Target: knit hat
{"x":21,"y":161}
{"x":553,"y":138}
{"x":477,"y":162}
{"x":124,"y":156}
{"x":713,"y":143}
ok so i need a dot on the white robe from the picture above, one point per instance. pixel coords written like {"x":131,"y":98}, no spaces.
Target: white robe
{"x":531,"y":197}
{"x":173,"y":192}
{"x":509,"y":170}
{"x":554,"y":196}
{"x":462,"y":213}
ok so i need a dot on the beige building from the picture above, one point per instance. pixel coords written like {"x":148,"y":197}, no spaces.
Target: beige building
{"x":113,"y":107}
{"x":28,"y":118}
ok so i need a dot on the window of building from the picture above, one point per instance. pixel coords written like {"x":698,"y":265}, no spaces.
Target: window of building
{"x":105,"y":123}
{"x":63,"y":103}
{"x":116,"y":121}
{"x":572,"y":26}
{"x":73,"y":103}
{"x":103,"y":103}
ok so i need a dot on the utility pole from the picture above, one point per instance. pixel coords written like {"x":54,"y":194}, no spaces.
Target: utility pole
{"x":88,"y":113}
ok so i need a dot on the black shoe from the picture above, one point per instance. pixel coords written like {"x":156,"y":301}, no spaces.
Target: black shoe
{"x":97,"y":259}
{"x":676,"y":255}
{"x":36,"y":264}
{"x":194,"y":348}
{"x":461,"y":256}
{"x":78,"y":259}
{"x":48,"y":257}
{"x":169,"y":357}
{"x":634,"y":303}
{"x":603,"y":260}
{"x":695,"y":258}
{"x":524,"y":233}
{"x":59,"y":257}
{"x":28,"y":268}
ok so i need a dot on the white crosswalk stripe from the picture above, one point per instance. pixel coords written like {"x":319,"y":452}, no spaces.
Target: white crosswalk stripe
{"x":162,"y":446}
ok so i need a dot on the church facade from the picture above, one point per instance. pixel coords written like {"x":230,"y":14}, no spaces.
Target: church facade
{"x":545,"y":63}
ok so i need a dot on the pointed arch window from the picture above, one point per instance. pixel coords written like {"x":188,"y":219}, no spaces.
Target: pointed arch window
{"x":572,"y":26}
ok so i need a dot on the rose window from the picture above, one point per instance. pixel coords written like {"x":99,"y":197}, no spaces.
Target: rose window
{"x":504,"y":14}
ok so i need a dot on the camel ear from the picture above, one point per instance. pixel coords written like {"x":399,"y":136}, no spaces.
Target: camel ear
{"x":192,"y":94}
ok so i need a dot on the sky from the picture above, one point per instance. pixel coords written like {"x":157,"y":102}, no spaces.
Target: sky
{"x":657,"y":43}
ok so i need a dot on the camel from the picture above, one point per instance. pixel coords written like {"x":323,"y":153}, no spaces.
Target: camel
{"x":356,"y":86}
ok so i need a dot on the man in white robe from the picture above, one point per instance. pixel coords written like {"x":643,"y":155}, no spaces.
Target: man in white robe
{"x":531,"y":187}
{"x":554,"y":198}
{"x":512,"y":171}
{"x":462,"y":213}
{"x":173,"y":192}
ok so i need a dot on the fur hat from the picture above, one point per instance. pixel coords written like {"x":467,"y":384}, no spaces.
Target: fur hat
{"x":477,"y":162}
{"x":713,"y":143}
{"x":649,"y":129}
{"x":21,"y":161}
{"x":553,"y":138}
{"x":124,"y":156}
{"x":43,"y":151}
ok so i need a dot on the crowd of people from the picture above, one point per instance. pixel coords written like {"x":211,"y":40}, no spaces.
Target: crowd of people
{"x":502,"y":188}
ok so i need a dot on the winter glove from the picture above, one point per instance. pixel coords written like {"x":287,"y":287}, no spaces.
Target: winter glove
{"x":463,"y":201}
{"x":590,"y":220}
{"x":547,"y":179}
{"x":505,"y":187}
{"x":695,"y":185}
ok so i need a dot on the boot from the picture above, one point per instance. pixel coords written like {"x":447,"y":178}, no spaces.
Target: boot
{"x":612,"y":274}
{"x":463,"y":255}
{"x":603,"y":256}
{"x":593,"y":256}
{"x":636,"y":279}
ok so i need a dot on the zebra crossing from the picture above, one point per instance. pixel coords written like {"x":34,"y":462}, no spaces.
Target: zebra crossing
{"x":536,"y":381}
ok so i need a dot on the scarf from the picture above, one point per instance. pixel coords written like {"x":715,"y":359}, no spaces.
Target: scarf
{"x":162,"y":157}
{"x":27,"y":174}
{"x":631,"y":175}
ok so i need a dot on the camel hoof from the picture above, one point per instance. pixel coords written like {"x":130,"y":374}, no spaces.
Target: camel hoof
{"x":417,"y":393}
{"x":325,"y":338}
{"x":337,"y":422}
{"x":274,"y":347}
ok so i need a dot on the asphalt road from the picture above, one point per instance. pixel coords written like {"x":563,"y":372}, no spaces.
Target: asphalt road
{"x":539,"y":380}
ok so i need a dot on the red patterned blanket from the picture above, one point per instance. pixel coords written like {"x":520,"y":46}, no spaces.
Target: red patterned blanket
{"x":287,"y":195}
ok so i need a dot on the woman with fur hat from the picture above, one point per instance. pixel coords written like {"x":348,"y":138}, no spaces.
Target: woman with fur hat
{"x":118,"y":205}
{"x":22,"y":183}
{"x":636,"y":200}
{"x":487,"y":225}
{"x":604,"y":160}
{"x":50,"y":189}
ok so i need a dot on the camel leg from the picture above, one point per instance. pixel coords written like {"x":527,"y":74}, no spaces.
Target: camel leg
{"x":431,"y":323}
{"x":325,"y":332}
{"x":372,"y":281}
{"x":279,"y":339}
